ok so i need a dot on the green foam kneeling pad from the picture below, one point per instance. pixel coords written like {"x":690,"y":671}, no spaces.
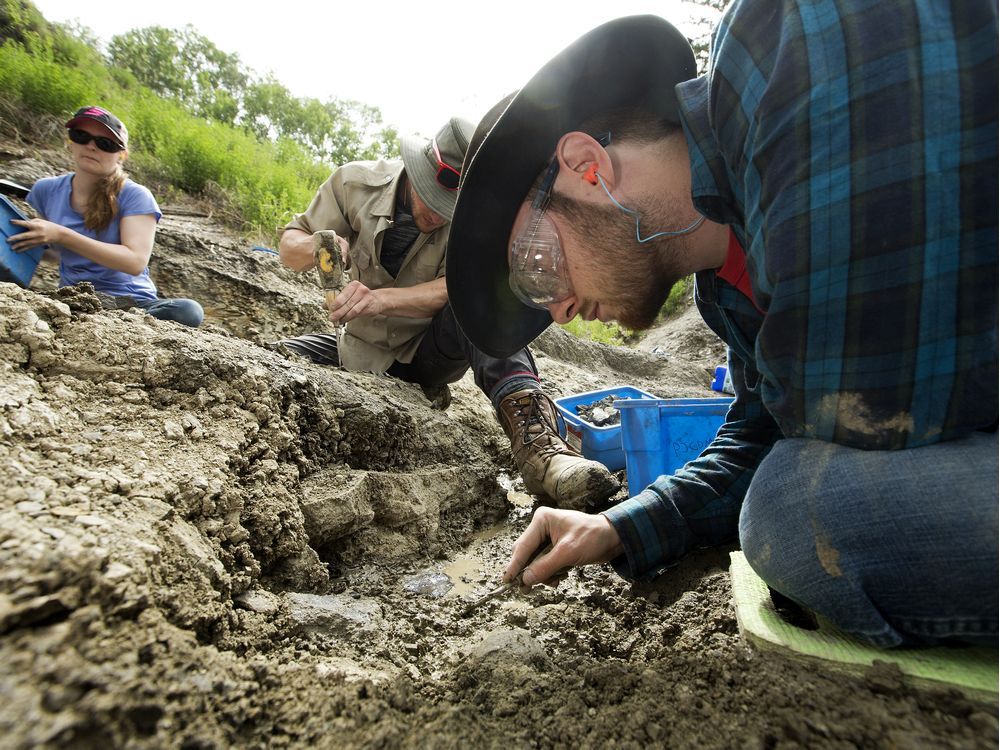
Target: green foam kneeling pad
{"x":971,"y":670}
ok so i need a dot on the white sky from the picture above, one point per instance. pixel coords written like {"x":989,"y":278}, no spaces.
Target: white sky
{"x":419,"y":62}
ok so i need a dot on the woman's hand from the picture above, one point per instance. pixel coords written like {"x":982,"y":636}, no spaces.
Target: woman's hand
{"x":39,"y":232}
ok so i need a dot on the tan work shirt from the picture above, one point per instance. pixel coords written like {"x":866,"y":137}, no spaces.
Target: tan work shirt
{"x":358,"y":202}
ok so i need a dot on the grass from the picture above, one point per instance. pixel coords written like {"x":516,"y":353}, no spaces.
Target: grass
{"x":678,"y":299}
{"x":614,"y":335}
{"x":46,"y":73}
{"x":594,"y":330}
{"x":263,"y":182}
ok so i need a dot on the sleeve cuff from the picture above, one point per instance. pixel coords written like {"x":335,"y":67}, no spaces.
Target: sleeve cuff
{"x":652,"y":531}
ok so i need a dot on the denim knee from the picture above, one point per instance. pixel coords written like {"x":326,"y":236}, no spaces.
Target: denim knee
{"x":184,"y":311}
{"x":891,"y":546}
{"x":772,"y":533}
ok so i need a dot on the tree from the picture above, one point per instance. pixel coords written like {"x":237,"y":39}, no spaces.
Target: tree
{"x":336,"y":131}
{"x":708,"y":13}
{"x":21,"y":22}
{"x":186,"y":66}
{"x":213,"y":84}
{"x":69,"y":44}
{"x":268,"y":108}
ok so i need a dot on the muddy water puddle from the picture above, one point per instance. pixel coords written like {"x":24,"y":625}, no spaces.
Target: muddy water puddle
{"x":467,"y":573}
{"x":480,"y":566}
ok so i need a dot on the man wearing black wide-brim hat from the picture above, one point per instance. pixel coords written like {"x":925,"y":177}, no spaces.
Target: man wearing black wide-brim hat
{"x":831,"y":183}
{"x":390,"y":219}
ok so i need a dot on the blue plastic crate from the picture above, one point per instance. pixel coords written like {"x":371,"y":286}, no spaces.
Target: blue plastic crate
{"x":15,"y":267}
{"x":602,"y":444}
{"x":660,"y":436}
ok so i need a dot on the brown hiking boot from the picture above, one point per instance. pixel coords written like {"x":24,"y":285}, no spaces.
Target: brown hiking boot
{"x":547,"y":464}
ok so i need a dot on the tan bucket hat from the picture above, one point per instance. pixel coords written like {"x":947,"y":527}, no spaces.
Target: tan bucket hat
{"x":436,"y":182}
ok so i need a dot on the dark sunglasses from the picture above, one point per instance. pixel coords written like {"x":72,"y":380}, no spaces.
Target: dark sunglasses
{"x":447,"y":176}
{"x":83,"y":138}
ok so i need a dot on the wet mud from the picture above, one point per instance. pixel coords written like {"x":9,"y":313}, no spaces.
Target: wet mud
{"x":207,"y":542}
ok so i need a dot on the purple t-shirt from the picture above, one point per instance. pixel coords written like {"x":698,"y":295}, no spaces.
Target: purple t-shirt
{"x":50,"y":197}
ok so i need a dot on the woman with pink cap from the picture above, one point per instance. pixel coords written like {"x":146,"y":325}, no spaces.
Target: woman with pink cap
{"x":101,"y":223}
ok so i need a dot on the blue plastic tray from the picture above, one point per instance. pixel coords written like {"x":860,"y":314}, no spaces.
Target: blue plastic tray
{"x":15,"y":267}
{"x":660,"y":436}
{"x":602,"y":444}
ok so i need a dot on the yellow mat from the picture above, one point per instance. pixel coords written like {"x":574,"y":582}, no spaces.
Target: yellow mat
{"x":972,"y":670}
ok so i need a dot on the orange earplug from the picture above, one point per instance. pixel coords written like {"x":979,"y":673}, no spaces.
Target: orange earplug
{"x":591,"y":174}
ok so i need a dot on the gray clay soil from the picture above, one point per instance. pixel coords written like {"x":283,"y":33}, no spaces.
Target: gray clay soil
{"x":207,"y":542}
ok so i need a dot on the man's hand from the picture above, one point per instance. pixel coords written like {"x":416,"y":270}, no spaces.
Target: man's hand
{"x":38,"y":232}
{"x":343,"y":247}
{"x":417,"y":301}
{"x":577,"y":539}
{"x":345,"y":252}
{"x":355,"y":301}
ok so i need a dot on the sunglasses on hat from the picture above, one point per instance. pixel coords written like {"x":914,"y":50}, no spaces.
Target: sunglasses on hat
{"x":82,"y":137}
{"x":447,"y":176}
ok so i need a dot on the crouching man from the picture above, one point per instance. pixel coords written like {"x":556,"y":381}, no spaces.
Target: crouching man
{"x":392,"y":221}
{"x":832,"y":185}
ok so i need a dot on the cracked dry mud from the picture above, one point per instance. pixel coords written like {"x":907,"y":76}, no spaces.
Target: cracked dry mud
{"x":208,"y":543}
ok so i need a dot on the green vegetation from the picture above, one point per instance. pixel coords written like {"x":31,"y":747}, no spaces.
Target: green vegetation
{"x":595,"y":330}
{"x":187,"y":67}
{"x":615,"y":335}
{"x":680,"y":295}
{"x":198,"y":120}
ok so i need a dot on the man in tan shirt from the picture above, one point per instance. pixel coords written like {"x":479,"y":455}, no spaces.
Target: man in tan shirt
{"x":392,"y":221}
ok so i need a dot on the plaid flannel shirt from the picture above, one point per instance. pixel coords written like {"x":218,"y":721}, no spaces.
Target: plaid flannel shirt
{"x":851,"y":146}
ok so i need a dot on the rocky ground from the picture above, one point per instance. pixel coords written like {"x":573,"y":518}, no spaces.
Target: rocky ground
{"x":206,"y":542}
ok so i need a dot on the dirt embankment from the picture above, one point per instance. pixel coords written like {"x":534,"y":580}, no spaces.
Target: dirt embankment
{"x":205,"y":543}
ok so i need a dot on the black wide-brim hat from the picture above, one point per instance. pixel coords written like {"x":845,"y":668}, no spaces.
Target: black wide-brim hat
{"x":630,"y":62}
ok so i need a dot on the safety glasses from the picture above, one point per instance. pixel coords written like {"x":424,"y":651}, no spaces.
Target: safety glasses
{"x":447,"y":176}
{"x":538,"y":274}
{"x":82,"y":137}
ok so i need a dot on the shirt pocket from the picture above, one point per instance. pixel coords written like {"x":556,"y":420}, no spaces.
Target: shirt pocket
{"x":360,"y":253}
{"x":429,"y":262}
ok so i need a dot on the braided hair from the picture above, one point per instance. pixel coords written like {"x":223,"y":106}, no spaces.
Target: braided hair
{"x":103,"y":204}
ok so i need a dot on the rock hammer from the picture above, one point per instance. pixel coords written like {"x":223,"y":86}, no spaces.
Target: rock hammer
{"x":329,"y":263}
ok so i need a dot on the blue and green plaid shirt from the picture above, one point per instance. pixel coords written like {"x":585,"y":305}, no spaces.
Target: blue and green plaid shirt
{"x":851,"y":146}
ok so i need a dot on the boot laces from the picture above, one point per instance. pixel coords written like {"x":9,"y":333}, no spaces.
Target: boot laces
{"x":538,"y":425}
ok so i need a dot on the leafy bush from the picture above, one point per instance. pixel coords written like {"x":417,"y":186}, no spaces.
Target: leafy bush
{"x":264,"y":181}
{"x":21,"y":22}
{"x":47,"y":71}
{"x":40,"y":85}
{"x":594,"y":330}
{"x":679,"y":297}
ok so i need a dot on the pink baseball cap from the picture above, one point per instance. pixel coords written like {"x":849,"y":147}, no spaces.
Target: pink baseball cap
{"x":116,"y":128}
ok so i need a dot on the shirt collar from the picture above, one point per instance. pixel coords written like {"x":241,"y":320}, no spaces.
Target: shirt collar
{"x":385,"y":204}
{"x":709,"y":176}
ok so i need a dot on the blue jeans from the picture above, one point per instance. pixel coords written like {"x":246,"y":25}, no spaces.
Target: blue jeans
{"x":893,"y":547}
{"x":184,"y":311}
